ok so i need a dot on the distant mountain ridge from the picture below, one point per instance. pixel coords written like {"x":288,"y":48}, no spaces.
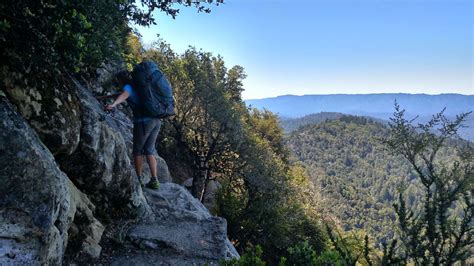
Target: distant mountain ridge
{"x":379,"y":106}
{"x":365,"y":104}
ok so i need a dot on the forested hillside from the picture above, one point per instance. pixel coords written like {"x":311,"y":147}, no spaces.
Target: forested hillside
{"x":291,"y":124}
{"x":356,"y":172}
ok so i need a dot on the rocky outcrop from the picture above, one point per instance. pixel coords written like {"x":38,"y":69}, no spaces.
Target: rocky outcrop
{"x":38,"y":204}
{"x":67,"y":177}
{"x":101,"y":165}
{"x":91,"y":147}
{"x":180,"y":231}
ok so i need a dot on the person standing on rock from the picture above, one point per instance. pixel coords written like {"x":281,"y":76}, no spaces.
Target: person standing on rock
{"x":145,"y":129}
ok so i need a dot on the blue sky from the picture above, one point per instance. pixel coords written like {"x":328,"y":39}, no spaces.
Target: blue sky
{"x":334,"y":46}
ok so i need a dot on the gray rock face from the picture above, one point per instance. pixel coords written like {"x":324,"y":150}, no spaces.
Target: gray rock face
{"x":35,"y":205}
{"x":85,"y":231}
{"x":52,"y":112}
{"x":101,"y":165}
{"x":38,"y":203}
{"x":181,"y":231}
{"x":92,"y":148}
{"x":104,"y":76}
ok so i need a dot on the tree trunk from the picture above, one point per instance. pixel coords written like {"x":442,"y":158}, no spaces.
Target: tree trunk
{"x":200,"y":177}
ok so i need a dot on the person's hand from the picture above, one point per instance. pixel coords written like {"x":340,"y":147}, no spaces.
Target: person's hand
{"x":109,"y":107}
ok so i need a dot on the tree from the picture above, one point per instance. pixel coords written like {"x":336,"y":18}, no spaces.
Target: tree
{"x":206,"y":127}
{"x":352,"y":247}
{"x":441,"y":232}
{"x":44,"y":41}
{"x":302,"y":254}
{"x":144,"y":15}
{"x":269,"y":201}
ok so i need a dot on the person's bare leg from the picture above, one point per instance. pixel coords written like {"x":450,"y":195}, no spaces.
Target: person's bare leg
{"x":138,"y":160}
{"x":153,"y":165}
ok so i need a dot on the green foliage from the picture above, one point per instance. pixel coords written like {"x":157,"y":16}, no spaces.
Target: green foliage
{"x":301,"y":254}
{"x":355,"y":173}
{"x":252,"y":257}
{"x":348,"y":246}
{"x":133,"y":52}
{"x":46,"y":40}
{"x":390,"y":255}
{"x":330,"y":257}
{"x":280,"y":209}
{"x":292,"y":124}
{"x":206,"y":130}
{"x":440,"y":231}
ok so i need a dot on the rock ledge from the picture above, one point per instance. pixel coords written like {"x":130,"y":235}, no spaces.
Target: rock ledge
{"x":179,"y":231}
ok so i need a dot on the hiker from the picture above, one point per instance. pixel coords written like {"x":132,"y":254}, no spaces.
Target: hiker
{"x":145,"y":129}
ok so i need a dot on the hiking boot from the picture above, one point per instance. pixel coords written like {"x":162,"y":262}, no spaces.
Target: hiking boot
{"x":153,"y":184}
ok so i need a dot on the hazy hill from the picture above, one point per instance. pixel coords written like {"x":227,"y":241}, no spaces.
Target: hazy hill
{"x":373,"y":105}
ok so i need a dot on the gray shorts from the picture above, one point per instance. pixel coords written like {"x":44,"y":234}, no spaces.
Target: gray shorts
{"x":144,"y":136}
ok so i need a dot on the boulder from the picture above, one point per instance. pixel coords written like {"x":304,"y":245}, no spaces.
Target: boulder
{"x":212,"y":188}
{"x":35,"y":206}
{"x":163,"y":172}
{"x":209,"y":199}
{"x":181,"y":231}
{"x":164,"y":175}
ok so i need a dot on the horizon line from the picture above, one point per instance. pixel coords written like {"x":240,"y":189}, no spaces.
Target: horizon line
{"x":301,"y":95}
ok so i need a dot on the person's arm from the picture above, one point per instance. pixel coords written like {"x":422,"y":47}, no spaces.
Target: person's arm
{"x":103,"y":97}
{"x":120,"y":99}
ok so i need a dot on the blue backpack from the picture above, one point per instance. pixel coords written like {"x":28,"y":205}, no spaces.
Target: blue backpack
{"x":153,"y":90}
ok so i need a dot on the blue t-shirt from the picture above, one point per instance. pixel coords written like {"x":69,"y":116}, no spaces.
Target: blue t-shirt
{"x":134,"y":100}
